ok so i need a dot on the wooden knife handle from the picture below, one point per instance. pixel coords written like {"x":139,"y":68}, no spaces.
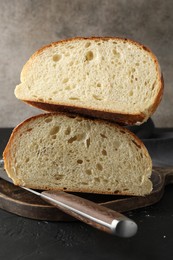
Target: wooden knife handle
{"x":91,"y":213}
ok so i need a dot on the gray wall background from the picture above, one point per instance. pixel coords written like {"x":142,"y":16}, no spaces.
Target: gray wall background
{"x":26,"y":25}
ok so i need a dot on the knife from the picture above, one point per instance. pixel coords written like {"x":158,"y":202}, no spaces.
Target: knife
{"x":84,"y":210}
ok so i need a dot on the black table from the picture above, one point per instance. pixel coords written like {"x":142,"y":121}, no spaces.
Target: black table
{"x":22,"y":238}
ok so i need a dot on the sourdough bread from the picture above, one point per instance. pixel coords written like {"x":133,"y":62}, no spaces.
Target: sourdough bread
{"x":108,"y":78}
{"x":66,"y":152}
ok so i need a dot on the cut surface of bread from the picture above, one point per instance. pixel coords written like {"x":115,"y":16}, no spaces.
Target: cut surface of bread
{"x":66,"y":152}
{"x":109,"y":78}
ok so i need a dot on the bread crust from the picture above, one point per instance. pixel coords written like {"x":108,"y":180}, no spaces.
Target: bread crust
{"x":124,"y":119}
{"x":7,"y":155}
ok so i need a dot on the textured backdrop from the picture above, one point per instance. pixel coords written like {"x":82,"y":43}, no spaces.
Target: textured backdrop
{"x":26,"y":25}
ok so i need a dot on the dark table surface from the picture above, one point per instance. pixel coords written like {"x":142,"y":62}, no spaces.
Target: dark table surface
{"x":22,"y":238}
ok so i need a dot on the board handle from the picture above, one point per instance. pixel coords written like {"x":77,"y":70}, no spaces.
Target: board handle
{"x":169,"y":175}
{"x":166,"y":173}
{"x":91,"y":213}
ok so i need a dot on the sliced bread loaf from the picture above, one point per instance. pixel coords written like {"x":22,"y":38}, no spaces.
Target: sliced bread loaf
{"x":108,"y":78}
{"x":67,"y":152}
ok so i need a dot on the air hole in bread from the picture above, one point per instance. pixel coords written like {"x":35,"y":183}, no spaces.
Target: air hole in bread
{"x":88,"y":141}
{"x":27,"y":160}
{"x":116,"y":191}
{"x":131,"y":93}
{"x":87,"y":44}
{"x":79,"y":161}
{"x":69,"y":87}
{"x":54,"y":130}
{"x":53,"y":136}
{"x":72,"y":139}
{"x":74,"y":98}
{"x":68,"y":130}
{"x":71,"y":46}
{"x":98,"y":85}
{"x":89,"y":56}
{"x":153,"y":85}
{"x":105,"y":181}
{"x":50,"y":99}
{"x":99,"y":166}
{"x":78,"y":137}
{"x":116,"y":53}
{"x":104,"y":152}
{"x":56,"y":57}
{"x":59,"y":177}
{"x":48,"y":120}
{"x":40,"y":141}
{"x":97,"y":97}
{"x":29,"y":129}
{"x":103,"y":136}
{"x":88,"y":172}
{"x":137,"y":64}
{"x":65,"y":80}
{"x":64,"y":188}
{"x":141,"y":155}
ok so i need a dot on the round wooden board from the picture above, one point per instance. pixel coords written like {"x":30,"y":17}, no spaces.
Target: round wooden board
{"x":23,"y":203}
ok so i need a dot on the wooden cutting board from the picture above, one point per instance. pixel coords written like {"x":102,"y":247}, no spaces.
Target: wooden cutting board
{"x":23,"y":203}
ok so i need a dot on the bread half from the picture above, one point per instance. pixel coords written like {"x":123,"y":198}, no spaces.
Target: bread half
{"x":108,"y":78}
{"x":71,"y":153}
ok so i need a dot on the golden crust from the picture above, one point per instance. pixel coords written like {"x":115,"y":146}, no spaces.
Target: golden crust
{"x":95,"y":38}
{"x":124,"y":119}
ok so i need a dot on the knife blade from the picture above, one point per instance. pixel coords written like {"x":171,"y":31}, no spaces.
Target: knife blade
{"x":84,"y":210}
